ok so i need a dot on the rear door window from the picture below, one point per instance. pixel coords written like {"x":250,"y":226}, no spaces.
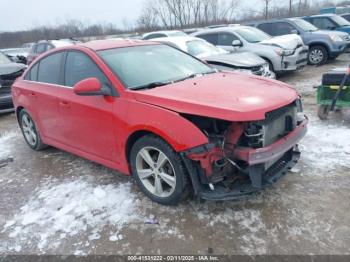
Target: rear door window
{"x":50,"y":69}
{"x":79,"y":67}
{"x":211,"y":38}
{"x":268,"y":28}
{"x":32,"y":75}
{"x":282,"y":28}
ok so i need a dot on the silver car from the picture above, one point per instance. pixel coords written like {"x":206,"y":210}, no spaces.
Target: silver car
{"x":283,"y":53}
{"x":219,"y":58}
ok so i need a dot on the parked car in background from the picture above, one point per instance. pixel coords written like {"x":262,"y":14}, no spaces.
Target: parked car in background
{"x":181,"y":125}
{"x":346,"y":16}
{"x":219,"y":58}
{"x":284,"y":54}
{"x":158,"y":34}
{"x":323,"y":44}
{"x":9,"y":71}
{"x":45,"y":45}
{"x":17,"y":55}
{"x":329,"y":22}
{"x":27,"y":45}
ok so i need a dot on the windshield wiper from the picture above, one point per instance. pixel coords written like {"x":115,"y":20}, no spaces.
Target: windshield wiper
{"x":194,"y":75}
{"x":150,"y":85}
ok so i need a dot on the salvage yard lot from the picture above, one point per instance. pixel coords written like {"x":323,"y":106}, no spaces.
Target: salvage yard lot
{"x":56,"y":203}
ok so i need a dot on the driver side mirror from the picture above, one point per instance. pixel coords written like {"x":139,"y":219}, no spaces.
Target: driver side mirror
{"x":294,"y":31}
{"x":91,"y":87}
{"x":237,"y":43}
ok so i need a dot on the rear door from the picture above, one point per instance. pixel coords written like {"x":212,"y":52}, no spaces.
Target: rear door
{"x":87,"y":121}
{"x":44,"y":86}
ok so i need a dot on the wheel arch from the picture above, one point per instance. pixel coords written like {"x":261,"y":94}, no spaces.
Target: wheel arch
{"x":18,"y":111}
{"x":320,"y":44}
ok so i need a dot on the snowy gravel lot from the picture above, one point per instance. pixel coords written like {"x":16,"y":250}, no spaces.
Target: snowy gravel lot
{"x":57,"y":203}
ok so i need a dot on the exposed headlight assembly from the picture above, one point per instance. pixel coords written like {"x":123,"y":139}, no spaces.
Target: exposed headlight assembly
{"x":284,"y":52}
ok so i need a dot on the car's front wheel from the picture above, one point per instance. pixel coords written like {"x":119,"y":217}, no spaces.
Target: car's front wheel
{"x":318,"y":55}
{"x":159,"y":171}
{"x":30,"y":131}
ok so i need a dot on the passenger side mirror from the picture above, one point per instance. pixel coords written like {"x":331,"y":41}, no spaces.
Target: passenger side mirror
{"x":236,"y":43}
{"x":91,"y":87}
{"x":294,"y":31}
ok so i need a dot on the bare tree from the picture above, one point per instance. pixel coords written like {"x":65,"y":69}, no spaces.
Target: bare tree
{"x":266,"y":8}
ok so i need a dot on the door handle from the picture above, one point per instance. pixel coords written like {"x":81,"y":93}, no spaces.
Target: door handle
{"x":32,"y":95}
{"x":65,"y":104}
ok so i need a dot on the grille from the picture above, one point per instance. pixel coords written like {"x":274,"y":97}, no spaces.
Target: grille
{"x":276,"y":125}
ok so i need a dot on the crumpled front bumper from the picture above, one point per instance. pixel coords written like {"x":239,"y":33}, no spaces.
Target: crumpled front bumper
{"x":284,"y":154}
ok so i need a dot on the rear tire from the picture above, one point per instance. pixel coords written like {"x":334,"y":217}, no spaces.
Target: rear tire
{"x":159,"y":171}
{"x":323,"y":111}
{"x":318,"y":55}
{"x":30,"y":131}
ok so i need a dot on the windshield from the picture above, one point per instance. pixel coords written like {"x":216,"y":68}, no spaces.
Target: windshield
{"x":4,"y":59}
{"x":340,"y":21}
{"x":201,"y":48}
{"x":251,"y":34}
{"x":304,"y":25}
{"x":139,"y":66}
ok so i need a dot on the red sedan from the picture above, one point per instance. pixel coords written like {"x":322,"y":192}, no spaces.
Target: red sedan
{"x":166,"y":118}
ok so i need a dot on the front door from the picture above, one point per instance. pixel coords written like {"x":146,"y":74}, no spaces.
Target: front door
{"x":87,"y":120}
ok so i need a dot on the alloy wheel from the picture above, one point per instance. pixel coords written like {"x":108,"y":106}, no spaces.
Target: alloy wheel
{"x":29,"y":130}
{"x":155,"y":171}
{"x":316,"y":56}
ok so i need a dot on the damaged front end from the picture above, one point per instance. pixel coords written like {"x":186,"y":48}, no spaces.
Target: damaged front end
{"x":243,"y":157}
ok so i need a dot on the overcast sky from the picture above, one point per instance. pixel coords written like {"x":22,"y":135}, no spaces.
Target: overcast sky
{"x":26,"y":14}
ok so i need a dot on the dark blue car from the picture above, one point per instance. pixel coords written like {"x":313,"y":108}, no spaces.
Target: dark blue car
{"x":329,"y":22}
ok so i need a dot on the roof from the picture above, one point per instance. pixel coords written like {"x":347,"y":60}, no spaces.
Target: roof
{"x":219,"y":29}
{"x":114,"y":43}
{"x":322,"y":15}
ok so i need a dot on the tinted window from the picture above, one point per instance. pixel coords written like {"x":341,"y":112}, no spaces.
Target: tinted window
{"x":49,"y":69}
{"x":41,"y":48}
{"x":32,"y":75}
{"x":282,"y":28}
{"x":323,"y":23}
{"x":79,"y":67}
{"x":211,"y":38}
{"x":347,"y":17}
{"x":268,"y":28}
{"x":226,"y":39}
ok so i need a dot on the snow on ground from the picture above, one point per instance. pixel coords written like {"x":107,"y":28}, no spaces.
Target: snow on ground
{"x":6,"y":143}
{"x":65,"y":209}
{"x":326,"y":146}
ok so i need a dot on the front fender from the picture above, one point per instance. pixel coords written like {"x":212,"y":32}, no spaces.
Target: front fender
{"x":180,"y":133}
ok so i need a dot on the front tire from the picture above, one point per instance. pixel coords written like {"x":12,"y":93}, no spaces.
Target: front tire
{"x":30,"y":131}
{"x":318,"y":55}
{"x":158,"y":171}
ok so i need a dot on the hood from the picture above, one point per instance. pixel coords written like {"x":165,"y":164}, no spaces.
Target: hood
{"x":227,"y":96}
{"x":244,"y":59}
{"x":284,"y":41}
{"x":10,"y":68}
{"x":328,"y":32}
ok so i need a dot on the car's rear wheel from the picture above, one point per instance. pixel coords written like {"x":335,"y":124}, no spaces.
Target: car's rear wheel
{"x":159,"y":171}
{"x":30,"y":131}
{"x":318,"y":55}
